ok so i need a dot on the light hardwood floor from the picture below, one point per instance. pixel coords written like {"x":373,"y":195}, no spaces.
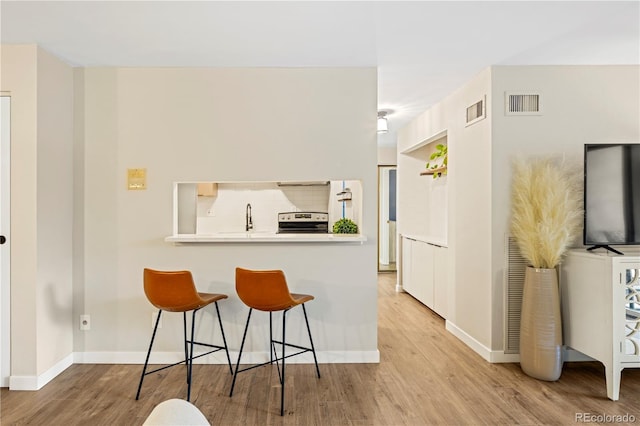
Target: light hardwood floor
{"x":426,"y":377}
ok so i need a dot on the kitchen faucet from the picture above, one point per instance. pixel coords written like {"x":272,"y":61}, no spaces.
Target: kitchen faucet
{"x":248,"y":220}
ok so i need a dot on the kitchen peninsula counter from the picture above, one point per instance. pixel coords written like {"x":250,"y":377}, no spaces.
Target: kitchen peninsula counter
{"x":265,"y":237}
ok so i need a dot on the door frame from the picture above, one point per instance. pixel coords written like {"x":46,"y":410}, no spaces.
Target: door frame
{"x":383,"y":195}
{"x":5,"y":249}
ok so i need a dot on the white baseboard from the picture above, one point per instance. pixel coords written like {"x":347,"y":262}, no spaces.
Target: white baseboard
{"x":477,"y":347}
{"x":568,"y":354}
{"x":485,"y":352}
{"x":34,"y":383}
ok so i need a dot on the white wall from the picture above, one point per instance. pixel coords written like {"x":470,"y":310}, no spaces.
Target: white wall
{"x":470,"y":170}
{"x":222,"y":125}
{"x":464,"y":209}
{"x":387,"y":155}
{"x":582,"y":104}
{"x":41,"y":88}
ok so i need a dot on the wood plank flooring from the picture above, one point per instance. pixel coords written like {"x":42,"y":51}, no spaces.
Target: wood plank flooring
{"x":426,"y":377}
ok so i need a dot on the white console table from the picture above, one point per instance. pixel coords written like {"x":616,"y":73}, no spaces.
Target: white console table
{"x":601,"y":309}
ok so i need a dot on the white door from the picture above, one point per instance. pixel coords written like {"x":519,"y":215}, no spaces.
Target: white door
{"x":5,"y":304}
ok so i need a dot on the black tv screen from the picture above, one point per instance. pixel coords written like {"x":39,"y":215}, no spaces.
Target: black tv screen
{"x":611,"y":194}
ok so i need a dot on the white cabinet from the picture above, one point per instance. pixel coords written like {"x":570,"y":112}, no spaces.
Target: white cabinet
{"x":424,"y":274}
{"x":601,"y":310}
{"x":408,"y":284}
{"x":440,"y":277}
{"x":422,"y":271}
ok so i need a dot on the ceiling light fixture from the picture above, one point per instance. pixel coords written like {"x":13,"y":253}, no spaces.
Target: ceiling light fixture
{"x":383,"y":126}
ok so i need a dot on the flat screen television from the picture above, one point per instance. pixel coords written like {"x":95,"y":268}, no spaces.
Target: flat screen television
{"x":611,"y":195}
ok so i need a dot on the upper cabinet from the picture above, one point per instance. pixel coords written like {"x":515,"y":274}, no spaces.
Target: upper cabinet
{"x":207,"y":189}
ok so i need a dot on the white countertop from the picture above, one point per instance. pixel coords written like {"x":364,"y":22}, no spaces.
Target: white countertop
{"x":265,"y":237}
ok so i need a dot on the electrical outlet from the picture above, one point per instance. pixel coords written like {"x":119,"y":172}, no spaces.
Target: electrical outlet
{"x":154,"y":315}
{"x":85,"y":322}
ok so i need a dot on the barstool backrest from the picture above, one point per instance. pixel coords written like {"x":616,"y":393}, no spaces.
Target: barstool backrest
{"x":264,"y":290}
{"x":172,"y":291}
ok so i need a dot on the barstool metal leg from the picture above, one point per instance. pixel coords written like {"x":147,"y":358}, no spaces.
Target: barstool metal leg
{"x":313,"y":349}
{"x":244,"y":336}
{"x":272,"y":350}
{"x":146,"y":361}
{"x":284,"y":345}
{"x":224,"y":339}
{"x":186,"y":343}
{"x":190,"y":358}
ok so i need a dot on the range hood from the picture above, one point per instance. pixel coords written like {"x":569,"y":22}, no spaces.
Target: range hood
{"x":304,"y":183}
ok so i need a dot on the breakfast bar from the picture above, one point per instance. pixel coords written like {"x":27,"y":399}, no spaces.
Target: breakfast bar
{"x":266,"y":237}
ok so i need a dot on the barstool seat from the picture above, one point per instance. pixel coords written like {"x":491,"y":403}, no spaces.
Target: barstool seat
{"x":268,"y":291}
{"x":175,"y":291}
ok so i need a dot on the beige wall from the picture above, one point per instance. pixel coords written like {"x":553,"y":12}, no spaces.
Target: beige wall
{"x":41,"y":208}
{"x":69,"y":200}
{"x":19,"y":79}
{"x":221,"y":125}
{"x":55,"y":210}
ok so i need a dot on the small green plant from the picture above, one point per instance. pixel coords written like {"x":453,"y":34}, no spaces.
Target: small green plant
{"x":345,"y":226}
{"x":442,"y":155}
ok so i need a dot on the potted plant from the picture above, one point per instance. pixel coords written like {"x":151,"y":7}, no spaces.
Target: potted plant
{"x":546,"y":217}
{"x":439,"y":167}
{"x":345,"y":226}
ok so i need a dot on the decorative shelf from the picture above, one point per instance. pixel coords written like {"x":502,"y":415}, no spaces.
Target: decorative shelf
{"x":429,"y":172}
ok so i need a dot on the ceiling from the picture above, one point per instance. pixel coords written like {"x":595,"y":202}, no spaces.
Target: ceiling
{"x":423,"y":50}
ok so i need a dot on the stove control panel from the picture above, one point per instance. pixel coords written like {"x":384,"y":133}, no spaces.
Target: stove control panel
{"x":303,"y":217}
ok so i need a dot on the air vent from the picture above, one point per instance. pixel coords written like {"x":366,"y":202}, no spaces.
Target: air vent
{"x":514,"y":276}
{"x":523,"y":103}
{"x":476,"y":112}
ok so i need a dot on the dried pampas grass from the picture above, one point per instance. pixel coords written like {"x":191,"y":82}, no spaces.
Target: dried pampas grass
{"x":546,"y":210}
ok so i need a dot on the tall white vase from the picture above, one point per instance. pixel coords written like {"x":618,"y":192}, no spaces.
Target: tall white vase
{"x":541,"y":325}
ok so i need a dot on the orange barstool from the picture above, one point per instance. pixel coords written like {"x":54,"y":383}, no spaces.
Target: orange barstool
{"x":174,"y":291}
{"x":268,"y":291}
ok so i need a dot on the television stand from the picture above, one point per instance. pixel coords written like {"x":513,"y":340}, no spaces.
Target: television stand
{"x":606,"y":247}
{"x":600,"y":310}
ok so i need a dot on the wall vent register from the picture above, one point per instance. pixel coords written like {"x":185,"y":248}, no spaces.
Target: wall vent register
{"x":476,"y":112}
{"x":523,"y":103}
